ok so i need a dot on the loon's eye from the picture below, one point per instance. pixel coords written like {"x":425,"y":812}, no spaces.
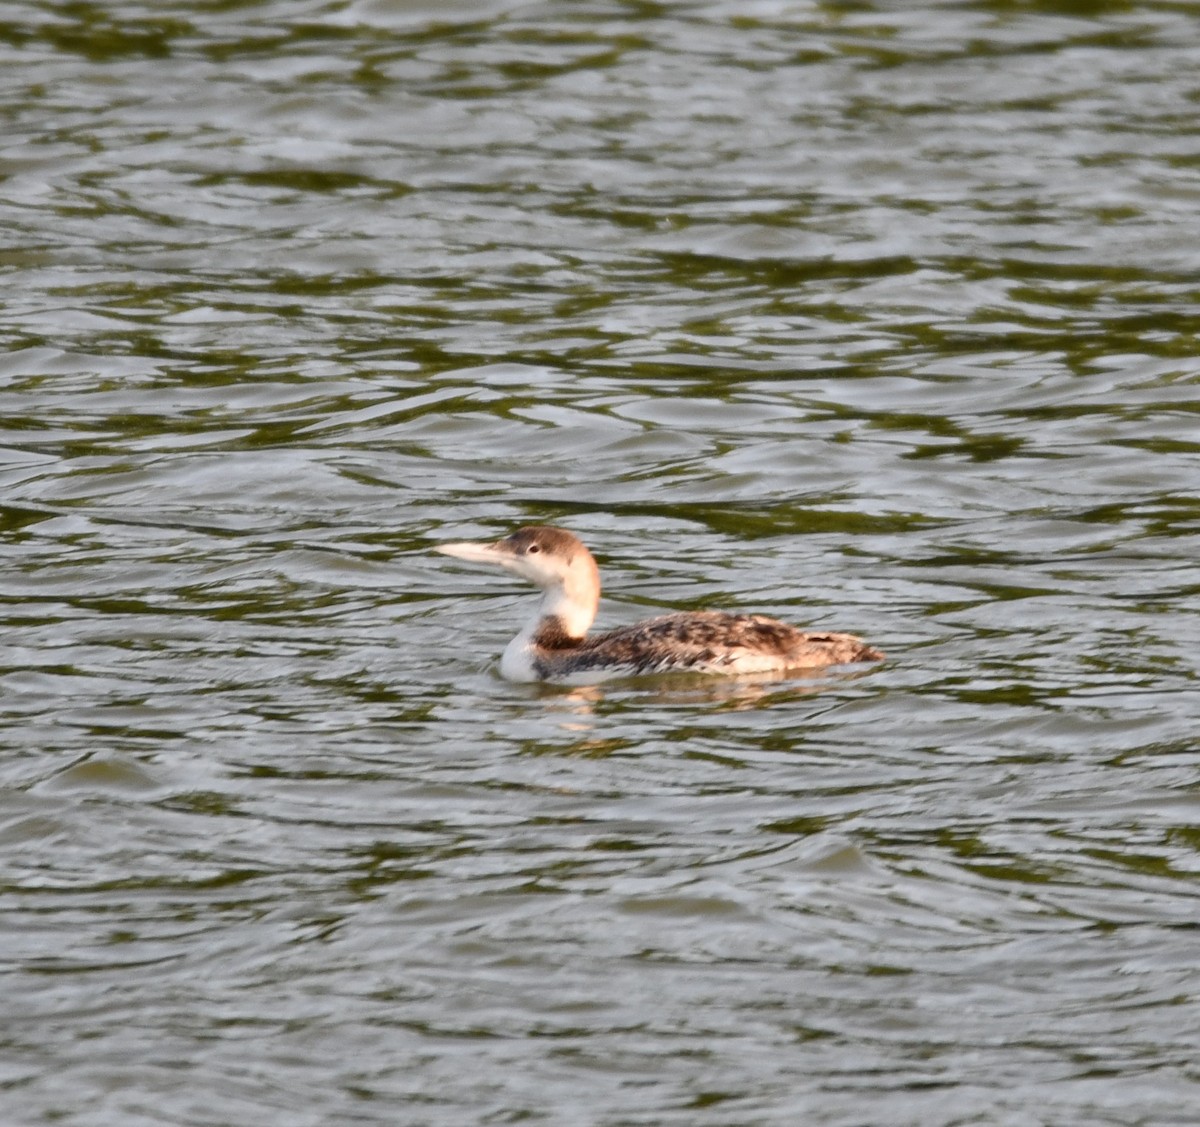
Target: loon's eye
{"x":533,"y":548}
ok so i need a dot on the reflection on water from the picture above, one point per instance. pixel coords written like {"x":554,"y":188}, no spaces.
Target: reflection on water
{"x":878,"y":318}
{"x":690,"y":692}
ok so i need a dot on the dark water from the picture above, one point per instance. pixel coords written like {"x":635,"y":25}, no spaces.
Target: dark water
{"x":877,"y":317}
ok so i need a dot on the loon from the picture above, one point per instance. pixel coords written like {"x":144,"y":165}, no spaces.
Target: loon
{"x":555,"y":646}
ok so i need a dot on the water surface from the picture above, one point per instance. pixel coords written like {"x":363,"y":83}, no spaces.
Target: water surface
{"x":875,"y":317}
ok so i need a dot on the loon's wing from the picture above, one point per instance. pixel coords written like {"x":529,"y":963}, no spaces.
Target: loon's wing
{"x":714,"y":641}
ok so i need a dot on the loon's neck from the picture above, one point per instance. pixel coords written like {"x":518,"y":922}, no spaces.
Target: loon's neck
{"x":575,"y":609}
{"x":562,"y":621}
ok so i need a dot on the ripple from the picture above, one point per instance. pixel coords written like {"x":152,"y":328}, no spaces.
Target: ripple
{"x":860,"y":317}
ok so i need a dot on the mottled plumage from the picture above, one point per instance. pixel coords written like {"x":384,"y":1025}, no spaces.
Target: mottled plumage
{"x":556,"y":646}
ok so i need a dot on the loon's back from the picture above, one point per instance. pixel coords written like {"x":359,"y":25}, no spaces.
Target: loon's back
{"x":696,"y":642}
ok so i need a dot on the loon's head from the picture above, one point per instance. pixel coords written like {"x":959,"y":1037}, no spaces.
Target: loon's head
{"x":552,"y":558}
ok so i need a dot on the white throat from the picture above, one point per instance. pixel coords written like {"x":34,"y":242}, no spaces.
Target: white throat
{"x":575,"y":612}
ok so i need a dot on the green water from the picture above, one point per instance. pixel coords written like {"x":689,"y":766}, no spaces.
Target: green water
{"x":874,"y":317}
